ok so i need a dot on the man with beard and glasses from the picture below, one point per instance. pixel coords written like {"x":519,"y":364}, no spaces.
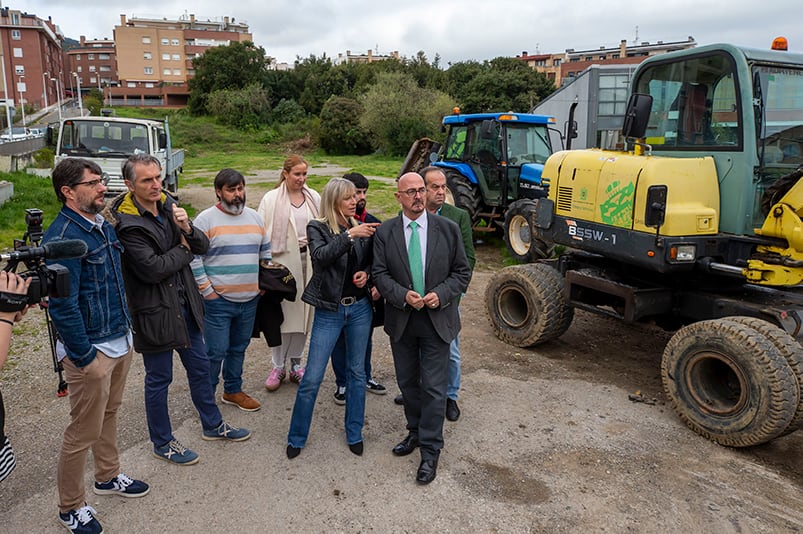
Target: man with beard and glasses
{"x":228,"y":278}
{"x":94,"y":332}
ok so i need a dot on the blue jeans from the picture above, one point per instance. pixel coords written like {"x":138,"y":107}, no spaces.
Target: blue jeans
{"x":339,"y":359}
{"x":159,"y":375}
{"x":228,"y":327}
{"x":355,"y":322}
{"x":454,"y":368}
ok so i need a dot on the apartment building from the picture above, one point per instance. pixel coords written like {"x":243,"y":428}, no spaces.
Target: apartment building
{"x":92,"y":64}
{"x":31,"y":58}
{"x":368,"y":57}
{"x":562,"y":68}
{"x":154,"y":56}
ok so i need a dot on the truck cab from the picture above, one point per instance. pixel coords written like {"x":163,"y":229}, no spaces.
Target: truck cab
{"x":108,"y":141}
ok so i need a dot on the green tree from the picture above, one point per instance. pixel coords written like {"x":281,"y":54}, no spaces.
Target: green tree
{"x":236,"y":66}
{"x":341,"y":132}
{"x":244,"y":108}
{"x":398,"y":111}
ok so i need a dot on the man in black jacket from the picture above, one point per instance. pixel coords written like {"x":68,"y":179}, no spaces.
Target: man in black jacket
{"x":166,"y":307}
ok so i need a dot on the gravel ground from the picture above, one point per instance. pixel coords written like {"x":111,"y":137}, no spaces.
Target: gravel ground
{"x":548,"y":442}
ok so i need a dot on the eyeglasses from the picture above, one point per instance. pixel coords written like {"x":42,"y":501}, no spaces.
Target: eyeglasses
{"x":413,"y":192}
{"x":94,"y":183}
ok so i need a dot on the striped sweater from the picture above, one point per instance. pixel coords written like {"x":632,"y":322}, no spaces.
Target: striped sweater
{"x":237,"y":243}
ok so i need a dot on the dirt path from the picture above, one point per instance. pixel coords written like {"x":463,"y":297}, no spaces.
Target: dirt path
{"x":548,"y":442}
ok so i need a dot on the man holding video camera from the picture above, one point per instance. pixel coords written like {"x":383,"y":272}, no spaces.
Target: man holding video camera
{"x":94,"y":333}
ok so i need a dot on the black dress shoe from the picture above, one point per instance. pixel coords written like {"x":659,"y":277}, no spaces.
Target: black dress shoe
{"x":407,"y":445}
{"x":452,"y":411}
{"x":427,"y":471}
{"x":292,"y":452}
{"x":399,"y":400}
{"x":357,"y":448}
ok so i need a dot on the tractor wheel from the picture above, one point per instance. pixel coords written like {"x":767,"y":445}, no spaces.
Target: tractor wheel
{"x":527,"y":305}
{"x":790,"y":349}
{"x":729,"y":383}
{"x":522,"y":245}
{"x":465,"y":194}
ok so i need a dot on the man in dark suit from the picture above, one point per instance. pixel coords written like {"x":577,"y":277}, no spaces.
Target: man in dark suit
{"x":435,"y":181}
{"x":420,"y":268}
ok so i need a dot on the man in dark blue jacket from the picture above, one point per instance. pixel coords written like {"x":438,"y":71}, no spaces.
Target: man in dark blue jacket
{"x":94,"y":332}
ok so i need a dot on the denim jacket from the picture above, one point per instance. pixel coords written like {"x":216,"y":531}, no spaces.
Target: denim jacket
{"x":96,"y":309}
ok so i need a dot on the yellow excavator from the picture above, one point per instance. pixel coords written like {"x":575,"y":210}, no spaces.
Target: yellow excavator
{"x":695,"y":227}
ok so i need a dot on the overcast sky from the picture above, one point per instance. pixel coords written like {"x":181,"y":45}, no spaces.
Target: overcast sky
{"x":456,"y":30}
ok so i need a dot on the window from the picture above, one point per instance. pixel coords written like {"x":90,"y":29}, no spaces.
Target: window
{"x":131,"y":85}
{"x":149,"y":85}
{"x":105,"y":68}
{"x":90,"y":57}
{"x":146,"y":39}
{"x":77,"y":57}
{"x":176,"y":72}
{"x":165,"y":41}
{"x":18,"y":52}
{"x":694,"y":104}
{"x":15,"y":18}
{"x":92,"y":68}
{"x":93,"y":79}
{"x":79,"y":68}
{"x":147,"y":55}
{"x":176,"y":57}
{"x":16,"y":35}
{"x":166,"y":72}
{"x":148,"y":70}
{"x":165,"y":57}
{"x":19,"y":70}
{"x":104,"y":57}
{"x":174,"y":42}
{"x":613,"y":94}
{"x":556,"y":63}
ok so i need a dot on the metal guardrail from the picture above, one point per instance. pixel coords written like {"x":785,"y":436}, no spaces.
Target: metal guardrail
{"x":22,"y":146}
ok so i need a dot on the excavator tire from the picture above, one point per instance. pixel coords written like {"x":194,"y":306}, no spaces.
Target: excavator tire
{"x":522,"y":245}
{"x":465,"y":195}
{"x":790,"y":349}
{"x":729,"y":383}
{"x":526,"y":304}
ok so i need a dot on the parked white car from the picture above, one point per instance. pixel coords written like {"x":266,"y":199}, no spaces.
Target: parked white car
{"x":17,"y":134}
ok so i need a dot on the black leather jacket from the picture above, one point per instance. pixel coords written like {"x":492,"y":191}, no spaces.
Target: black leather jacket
{"x":154,"y":262}
{"x":329,"y":263}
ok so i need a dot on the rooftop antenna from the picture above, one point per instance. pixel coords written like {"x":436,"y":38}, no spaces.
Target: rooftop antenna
{"x":537,"y":48}
{"x":635,"y":40}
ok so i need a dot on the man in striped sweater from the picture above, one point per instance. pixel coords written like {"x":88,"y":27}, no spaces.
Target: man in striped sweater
{"x":228,"y":278}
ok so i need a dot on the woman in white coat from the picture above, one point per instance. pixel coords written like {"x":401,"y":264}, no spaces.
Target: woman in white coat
{"x":286,"y":211}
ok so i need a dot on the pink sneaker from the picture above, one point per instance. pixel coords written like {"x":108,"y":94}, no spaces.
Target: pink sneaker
{"x":275,"y":378}
{"x":297,"y":374}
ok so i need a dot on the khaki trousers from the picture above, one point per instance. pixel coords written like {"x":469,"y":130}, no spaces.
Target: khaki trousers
{"x":96,"y":392}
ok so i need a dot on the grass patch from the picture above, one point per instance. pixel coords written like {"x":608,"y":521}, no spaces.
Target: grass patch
{"x":29,"y":192}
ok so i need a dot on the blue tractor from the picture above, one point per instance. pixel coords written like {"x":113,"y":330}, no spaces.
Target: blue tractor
{"x":493,"y":164}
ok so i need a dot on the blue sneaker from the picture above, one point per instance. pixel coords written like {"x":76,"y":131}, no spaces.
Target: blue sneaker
{"x":122,"y":485}
{"x":81,"y":521}
{"x":176,"y":453}
{"x":228,"y":432}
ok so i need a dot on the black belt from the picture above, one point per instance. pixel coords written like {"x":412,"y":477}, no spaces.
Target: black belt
{"x":303,"y":249}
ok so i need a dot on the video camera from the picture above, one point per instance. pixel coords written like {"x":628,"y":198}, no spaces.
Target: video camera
{"x":46,"y":280}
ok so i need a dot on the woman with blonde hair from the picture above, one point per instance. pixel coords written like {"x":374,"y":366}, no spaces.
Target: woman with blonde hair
{"x":286,"y":210}
{"x":342,"y":252}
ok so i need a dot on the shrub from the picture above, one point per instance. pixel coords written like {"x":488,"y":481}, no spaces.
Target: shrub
{"x":242,"y":108}
{"x":340,"y":127}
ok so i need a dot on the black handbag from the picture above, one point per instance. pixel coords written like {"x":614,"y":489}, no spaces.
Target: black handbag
{"x":277,"y":279}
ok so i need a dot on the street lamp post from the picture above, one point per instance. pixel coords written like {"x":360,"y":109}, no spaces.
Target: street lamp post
{"x":22,"y":99}
{"x":5,"y":92}
{"x":44,"y":87}
{"x":58,"y":94}
{"x":80,"y":101}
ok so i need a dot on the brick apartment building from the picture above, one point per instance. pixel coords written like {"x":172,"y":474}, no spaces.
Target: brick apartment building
{"x":30,"y":54}
{"x":154,"y":56}
{"x":561,"y":68}
{"x":91,"y":64}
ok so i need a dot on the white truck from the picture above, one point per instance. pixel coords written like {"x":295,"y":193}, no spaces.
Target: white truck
{"x":108,"y":141}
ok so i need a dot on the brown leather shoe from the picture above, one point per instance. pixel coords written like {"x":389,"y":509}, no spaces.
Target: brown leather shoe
{"x":242,"y":401}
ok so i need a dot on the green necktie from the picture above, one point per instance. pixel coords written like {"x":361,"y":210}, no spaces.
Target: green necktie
{"x":414,"y":256}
